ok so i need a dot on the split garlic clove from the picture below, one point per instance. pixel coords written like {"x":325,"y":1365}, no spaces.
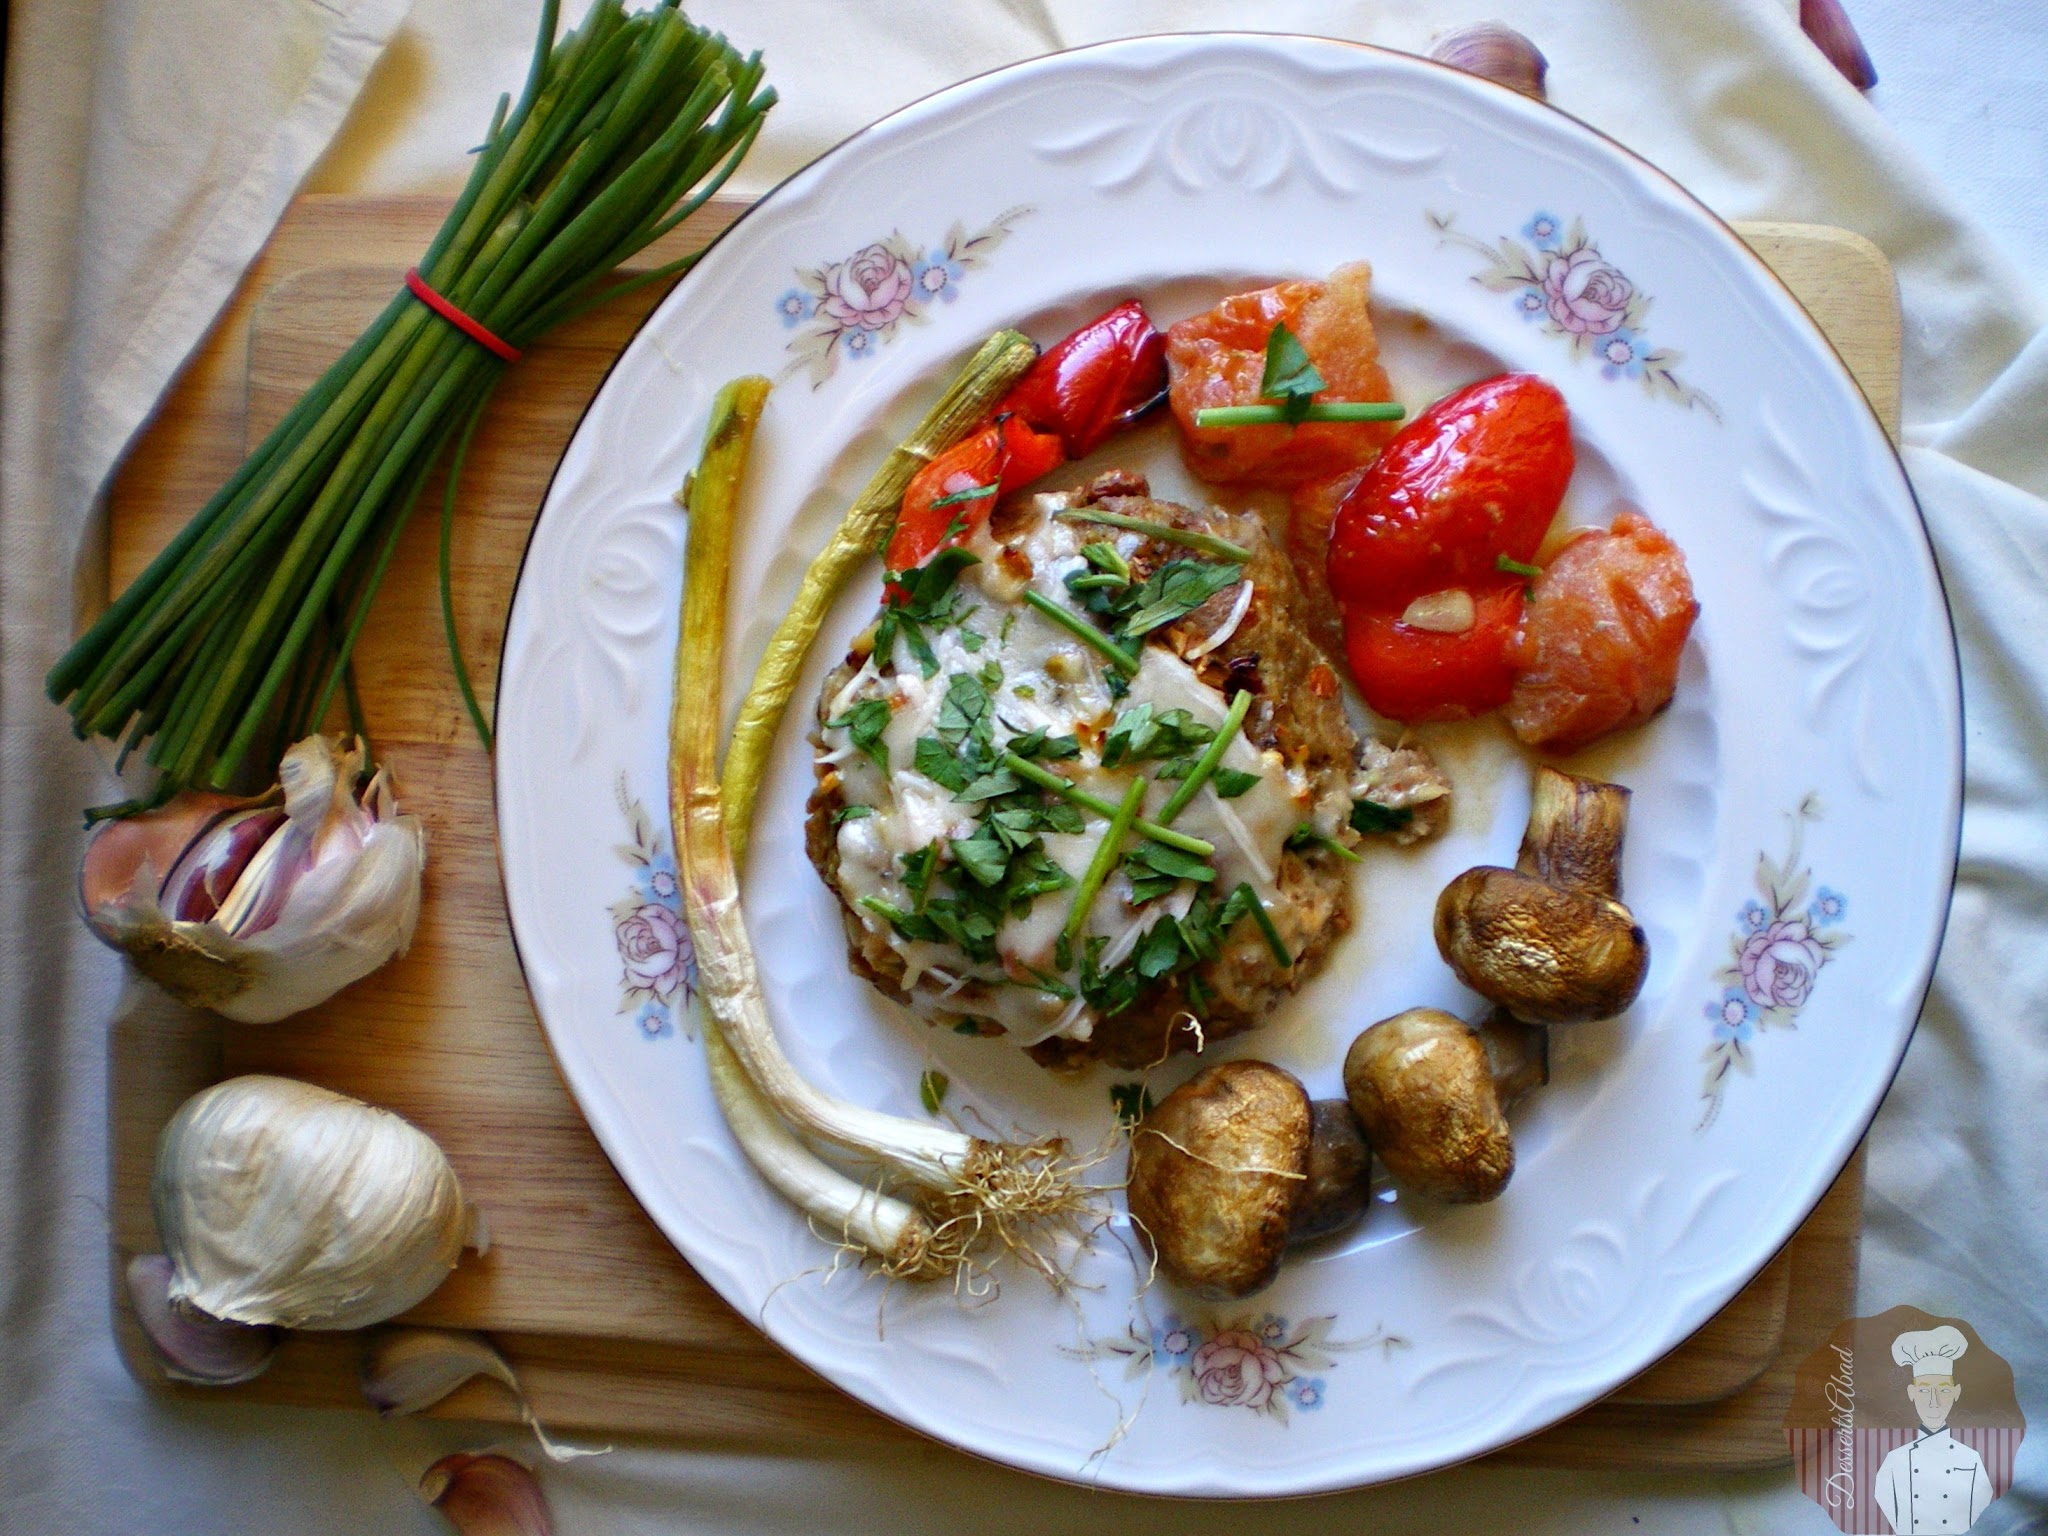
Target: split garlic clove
{"x":259,"y":908}
{"x":191,"y":1346}
{"x":408,"y":1370}
{"x":1498,"y":53}
{"x":282,"y":1203}
{"x":488,"y":1495}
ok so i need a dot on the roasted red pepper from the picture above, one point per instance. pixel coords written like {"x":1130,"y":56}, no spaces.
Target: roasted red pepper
{"x":1095,"y":383}
{"x":1072,"y":400}
{"x":1474,"y":480}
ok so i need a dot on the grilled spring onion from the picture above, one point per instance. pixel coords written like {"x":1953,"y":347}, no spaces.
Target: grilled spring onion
{"x":996,"y":365}
{"x":974,"y":1188}
{"x":894,"y":1232}
{"x":236,"y":638}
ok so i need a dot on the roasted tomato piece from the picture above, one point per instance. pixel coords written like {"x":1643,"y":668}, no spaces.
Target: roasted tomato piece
{"x":1478,"y":475}
{"x":1007,"y":454}
{"x":1096,"y":382}
{"x":1219,"y":358}
{"x":1412,"y":674}
{"x":1601,"y":640}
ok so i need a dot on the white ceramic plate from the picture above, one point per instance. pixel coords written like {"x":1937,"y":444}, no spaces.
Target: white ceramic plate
{"x":1795,"y":817}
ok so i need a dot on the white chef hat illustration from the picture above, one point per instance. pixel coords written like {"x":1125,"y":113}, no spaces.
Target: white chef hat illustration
{"x":1930,"y":1351}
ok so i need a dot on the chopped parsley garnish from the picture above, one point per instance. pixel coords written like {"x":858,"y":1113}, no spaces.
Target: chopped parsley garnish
{"x":972,"y":493}
{"x":931,"y":1089}
{"x":1306,"y":836}
{"x":928,"y":598}
{"x":965,"y":715}
{"x":1155,"y":869}
{"x":1369,"y":816}
{"x":1290,"y":377}
{"x":917,"y":872}
{"x":1228,"y":783}
{"x":1140,"y":733}
{"x":1173,"y":592}
{"x":864,"y":724}
{"x":1042,"y":747}
{"x":851,"y":813}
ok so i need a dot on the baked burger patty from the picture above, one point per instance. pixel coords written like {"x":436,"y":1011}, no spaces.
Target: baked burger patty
{"x":970,"y":891}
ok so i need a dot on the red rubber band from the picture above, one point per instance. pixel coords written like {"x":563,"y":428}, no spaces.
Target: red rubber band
{"x":475,"y":331}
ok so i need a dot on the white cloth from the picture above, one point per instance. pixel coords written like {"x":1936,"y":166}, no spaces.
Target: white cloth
{"x":1932,"y":1483}
{"x":122,"y":237}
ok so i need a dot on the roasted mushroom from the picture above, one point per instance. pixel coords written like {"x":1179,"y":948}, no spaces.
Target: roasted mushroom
{"x":1339,"y":1174}
{"x":1217,"y":1167}
{"x":1549,"y":940}
{"x":1424,"y":1092}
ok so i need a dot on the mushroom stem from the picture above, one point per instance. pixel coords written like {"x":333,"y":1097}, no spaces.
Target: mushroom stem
{"x":1518,"y":1055}
{"x":1575,"y":830}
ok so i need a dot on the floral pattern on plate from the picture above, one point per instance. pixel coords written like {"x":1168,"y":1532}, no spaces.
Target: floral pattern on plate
{"x":1259,"y":1362}
{"x":659,"y":967}
{"x":849,"y":308}
{"x":1560,"y":280}
{"x":1781,"y":943}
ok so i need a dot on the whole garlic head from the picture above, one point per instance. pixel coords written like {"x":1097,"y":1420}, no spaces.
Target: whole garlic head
{"x":260,"y":908}
{"x":279,"y":1202}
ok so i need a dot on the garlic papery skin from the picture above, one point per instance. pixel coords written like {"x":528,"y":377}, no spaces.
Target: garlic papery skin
{"x":1496,"y":52}
{"x":282,"y":1203}
{"x":408,"y":1370}
{"x":260,"y":908}
{"x":487,"y":1495}
{"x":191,"y":1346}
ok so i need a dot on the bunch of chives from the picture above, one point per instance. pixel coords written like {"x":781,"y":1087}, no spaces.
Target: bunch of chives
{"x":234,"y":641}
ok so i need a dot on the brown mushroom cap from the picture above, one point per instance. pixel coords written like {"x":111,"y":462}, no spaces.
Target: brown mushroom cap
{"x":1216,"y":1168}
{"x":1547,"y":954}
{"x":1339,"y":1173}
{"x":1424,"y":1093}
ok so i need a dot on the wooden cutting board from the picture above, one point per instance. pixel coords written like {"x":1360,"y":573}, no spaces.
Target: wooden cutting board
{"x":611,"y":1330}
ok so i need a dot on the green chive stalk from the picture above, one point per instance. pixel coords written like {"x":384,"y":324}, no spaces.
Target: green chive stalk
{"x":237,"y":638}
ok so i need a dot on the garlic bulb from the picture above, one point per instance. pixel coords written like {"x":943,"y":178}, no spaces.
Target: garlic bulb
{"x":279,"y":1202}
{"x":258,"y":908}
{"x":1498,"y":53}
{"x":191,"y":1346}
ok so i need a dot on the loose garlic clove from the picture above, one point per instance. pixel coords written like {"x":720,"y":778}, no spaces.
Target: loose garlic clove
{"x":1449,"y":612}
{"x":282,"y":1203}
{"x":258,"y":908}
{"x":1498,"y":53}
{"x":487,"y":1495}
{"x":191,"y":1346}
{"x":1828,"y":25}
{"x":408,"y":1370}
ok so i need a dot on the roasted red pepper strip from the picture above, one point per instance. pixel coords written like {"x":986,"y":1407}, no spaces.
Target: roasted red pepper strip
{"x":1071,"y":401}
{"x":1414,"y":674}
{"x":1006,"y":454}
{"x":1096,"y":382}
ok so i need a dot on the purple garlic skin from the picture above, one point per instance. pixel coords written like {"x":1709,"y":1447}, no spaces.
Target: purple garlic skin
{"x":1495,"y":52}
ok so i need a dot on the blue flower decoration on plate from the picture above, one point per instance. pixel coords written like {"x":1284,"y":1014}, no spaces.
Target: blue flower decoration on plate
{"x":1529,"y":304}
{"x":936,"y":277}
{"x":1545,"y":230}
{"x":1754,"y":916}
{"x":1734,"y":1015}
{"x":1306,"y":1392}
{"x":1174,"y":1341}
{"x":654,"y":1022}
{"x":795,"y":307}
{"x":1621,"y":354}
{"x":1828,"y":907}
{"x":857,"y":343}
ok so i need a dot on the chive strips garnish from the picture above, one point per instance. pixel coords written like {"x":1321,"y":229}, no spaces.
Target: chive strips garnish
{"x":1106,"y":854}
{"x":1291,"y":382}
{"x":1207,"y":543}
{"x":1321,"y":410}
{"x":1085,"y":632}
{"x":1045,"y":779}
{"x":1206,"y":764}
{"x":1250,"y":898}
{"x":1509,"y":567}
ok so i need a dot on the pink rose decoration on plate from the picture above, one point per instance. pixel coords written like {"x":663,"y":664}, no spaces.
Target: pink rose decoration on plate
{"x":656,"y":949}
{"x":1778,"y":964}
{"x":868,"y":289}
{"x":1584,"y":294}
{"x":1236,"y":1370}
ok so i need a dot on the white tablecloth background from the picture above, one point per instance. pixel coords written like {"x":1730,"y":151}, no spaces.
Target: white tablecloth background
{"x":150,"y":144}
